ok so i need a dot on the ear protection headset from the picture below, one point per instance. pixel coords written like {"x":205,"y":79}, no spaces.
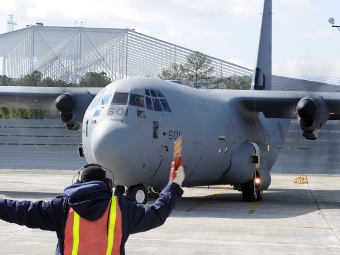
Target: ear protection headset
{"x":107,"y":181}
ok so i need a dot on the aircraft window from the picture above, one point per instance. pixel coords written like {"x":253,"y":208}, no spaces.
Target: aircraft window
{"x":106,"y":99}
{"x":141,"y":114}
{"x":148,"y":103}
{"x":157,"y":105}
{"x":97,"y":113}
{"x":153,"y":93}
{"x":97,"y":100}
{"x":120,"y":98}
{"x":94,"y":103}
{"x":147,"y":92}
{"x":155,"y":129}
{"x":160,"y":94}
{"x":137,"y":100}
{"x":165,"y":105}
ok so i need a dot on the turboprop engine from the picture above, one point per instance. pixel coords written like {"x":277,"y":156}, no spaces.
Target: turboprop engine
{"x":72,"y":109}
{"x":312,"y":114}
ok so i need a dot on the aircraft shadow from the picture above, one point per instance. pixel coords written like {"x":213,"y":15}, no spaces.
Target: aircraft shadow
{"x":276,"y":203}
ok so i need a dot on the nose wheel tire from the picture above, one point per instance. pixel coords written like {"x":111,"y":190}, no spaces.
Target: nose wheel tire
{"x":137,"y":194}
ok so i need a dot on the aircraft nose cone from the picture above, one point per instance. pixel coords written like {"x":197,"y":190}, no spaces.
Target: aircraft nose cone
{"x":107,"y":141}
{"x":112,"y":147}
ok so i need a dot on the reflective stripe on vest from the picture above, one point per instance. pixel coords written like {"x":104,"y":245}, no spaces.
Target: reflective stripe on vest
{"x":100,"y":237}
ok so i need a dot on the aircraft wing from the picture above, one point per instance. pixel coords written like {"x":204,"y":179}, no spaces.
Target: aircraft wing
{"x":37,"y":97}
{"x":71,"y":102}
{"x":312,"y":109}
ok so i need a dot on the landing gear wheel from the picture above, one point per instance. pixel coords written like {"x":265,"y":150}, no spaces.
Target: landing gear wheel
{"x":119,"y":190}
{"x":249,"y":192}
{"x":137,"y":194}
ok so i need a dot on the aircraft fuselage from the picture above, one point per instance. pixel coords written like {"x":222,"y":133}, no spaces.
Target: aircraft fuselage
{"x":134,"y":139}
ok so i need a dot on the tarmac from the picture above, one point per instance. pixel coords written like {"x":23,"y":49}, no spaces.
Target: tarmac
{"x":292,"y":218}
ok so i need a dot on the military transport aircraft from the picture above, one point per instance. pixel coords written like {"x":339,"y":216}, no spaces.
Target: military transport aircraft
{"x":229,"y":136}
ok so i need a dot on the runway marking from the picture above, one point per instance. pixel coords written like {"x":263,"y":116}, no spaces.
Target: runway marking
{"x":302,"y":179}
{"x":255,"y":205}
{"x":198,"y":204}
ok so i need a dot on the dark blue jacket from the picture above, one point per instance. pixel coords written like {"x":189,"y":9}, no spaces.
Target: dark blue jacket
{"x":90,"y":201}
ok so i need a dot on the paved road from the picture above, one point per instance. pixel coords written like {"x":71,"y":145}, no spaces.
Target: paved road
{"x":291,"y":219}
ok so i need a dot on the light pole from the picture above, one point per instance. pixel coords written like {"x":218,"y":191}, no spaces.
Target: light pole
{"x":332,"y":21}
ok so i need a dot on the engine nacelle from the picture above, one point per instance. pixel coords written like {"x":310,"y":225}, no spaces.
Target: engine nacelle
{"x":72,"y":108}
{"x":312,"y":114}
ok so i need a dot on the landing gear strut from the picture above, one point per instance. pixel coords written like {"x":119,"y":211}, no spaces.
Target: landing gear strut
{"x":137,"y":194}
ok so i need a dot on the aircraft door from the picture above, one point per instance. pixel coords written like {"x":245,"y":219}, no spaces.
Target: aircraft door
{"x":161,"y":147}
{"x":227,"y":141}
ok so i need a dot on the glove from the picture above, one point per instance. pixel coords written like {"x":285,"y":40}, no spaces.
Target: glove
{"x":177,"y":174}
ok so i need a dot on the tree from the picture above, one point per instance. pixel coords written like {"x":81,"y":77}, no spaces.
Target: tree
{"x":48,"y":82}
{"x":4,"y":80}
{"x":198,"y":67}
{"x":36,"y":78}
{"x":235,"y":82}
{"x":93,"y":79}
{"x":175,"y":72}
{"x":32,"y":79}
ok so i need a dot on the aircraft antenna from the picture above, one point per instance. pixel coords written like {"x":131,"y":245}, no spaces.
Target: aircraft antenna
{"x":332,"y":22}
{"x":11,"y":23}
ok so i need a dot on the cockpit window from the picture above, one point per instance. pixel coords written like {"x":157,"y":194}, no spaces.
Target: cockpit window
{"x":97,"y":99}
{"x":137,"y":100}
{"x":157,"y":105}
{"x":120,"y":98}
{"x":165,"y":105}
{"x":97,"y":113}
{"x":148,"y":103}
{"x":106,"y":99}
{"x":153,"y":93}
{"x":159,"y":93}
{"x":158,"y":101}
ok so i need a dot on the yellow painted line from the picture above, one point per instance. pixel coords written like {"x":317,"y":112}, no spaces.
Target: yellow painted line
{"x":198,"y":204}
{"x":256,"y":204}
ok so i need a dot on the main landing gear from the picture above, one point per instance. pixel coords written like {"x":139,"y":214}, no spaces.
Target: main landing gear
{"x":250,"y":192}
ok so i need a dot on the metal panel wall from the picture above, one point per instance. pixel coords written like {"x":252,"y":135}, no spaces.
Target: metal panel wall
{"x":38,"y":144}
{"x":46,"y":144}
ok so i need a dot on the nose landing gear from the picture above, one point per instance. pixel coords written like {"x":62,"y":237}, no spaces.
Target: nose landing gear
{"x":137,"y":194}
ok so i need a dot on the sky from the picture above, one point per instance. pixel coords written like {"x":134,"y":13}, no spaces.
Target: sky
{"x":304,"y":43}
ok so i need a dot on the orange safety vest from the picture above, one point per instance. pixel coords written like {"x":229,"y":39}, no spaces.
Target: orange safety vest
{"x":100,"y":237}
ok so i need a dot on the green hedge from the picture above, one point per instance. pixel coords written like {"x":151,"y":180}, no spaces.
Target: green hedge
{"x":19,"y":113}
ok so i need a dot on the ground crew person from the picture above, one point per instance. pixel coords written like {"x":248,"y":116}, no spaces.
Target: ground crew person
{"x":88,"y":219}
